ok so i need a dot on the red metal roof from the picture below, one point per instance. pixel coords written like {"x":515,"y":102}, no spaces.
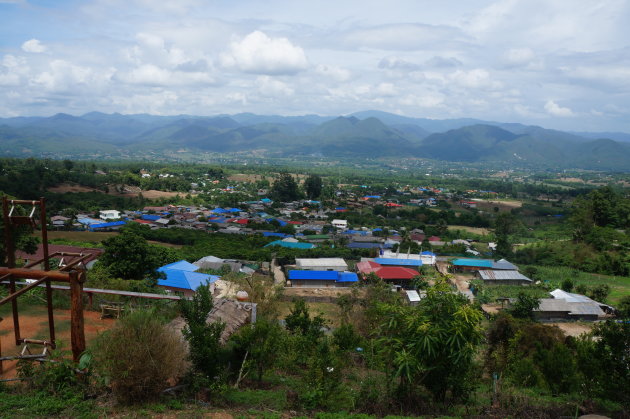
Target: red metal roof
{"x":53,"y":248}
{"x":395,"y":273}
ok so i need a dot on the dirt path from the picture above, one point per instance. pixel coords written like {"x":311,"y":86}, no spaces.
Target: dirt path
{"x":35,"y":326}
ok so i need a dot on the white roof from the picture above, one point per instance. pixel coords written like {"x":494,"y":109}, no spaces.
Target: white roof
{"x":320,"y":262}
{"x":413,"y":296}
{"x":570,"y":297}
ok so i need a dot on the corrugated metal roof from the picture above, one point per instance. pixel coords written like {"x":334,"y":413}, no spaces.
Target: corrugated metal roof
{"x":392,"y":272}
{"x":348,"y":277}
{"x":480,"y":263}
{"x":357,"y":245}
{"x":291,"y":245}
{"x":570,"y":297}
{"x":181,"y":265}
{"x":572,"y":308}
{"x":504,"y":265}
{"x":314,"y":275}
{"x":107,"y":225}
{"x":305,"y":262}
{"x":503,"y":275}
{"x":177,"y":278}
{"x":398,"y":262}
{"x":413,"y":296}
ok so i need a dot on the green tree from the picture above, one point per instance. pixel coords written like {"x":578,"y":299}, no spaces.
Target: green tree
{"x":285,"y":188}
{"x":524,"y":306}
{"x":313,"y":186}
{"x":432,"y":344}
{"x":129,"y":256}
{"x":204,"y":338}
{"x":261,"y":343}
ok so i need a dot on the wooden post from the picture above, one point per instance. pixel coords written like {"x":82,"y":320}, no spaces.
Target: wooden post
{"x":49,"y":302}
{"x":77,"y":336}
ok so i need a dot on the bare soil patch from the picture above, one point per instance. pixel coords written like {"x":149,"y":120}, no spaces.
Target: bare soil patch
{"x":71,"y":188}
{"x":35,"y":326}
{"x":574,"y":329}
{"x":474,"y":230}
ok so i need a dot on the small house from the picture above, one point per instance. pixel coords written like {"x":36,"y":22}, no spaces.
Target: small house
{"x":321,"y":264}
{"x":109,"y":215}
{"x":321,"y":279}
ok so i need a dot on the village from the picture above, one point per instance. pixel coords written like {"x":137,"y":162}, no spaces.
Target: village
{"x":319,"y":285}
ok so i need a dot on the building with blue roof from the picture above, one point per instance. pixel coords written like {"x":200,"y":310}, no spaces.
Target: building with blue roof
{"x":361,"y":245}
{"x":414,"y":263}
{"x":274,"y":234}
{"x":150,"y":217}
{"x":114,"y":225}
{"x":291,"y":245}
{"x":471,"y":264}
{"x":180,"y":265}
{"x":322,"y":279}
{"x":219,"y":211}
{"x":181,"y":277}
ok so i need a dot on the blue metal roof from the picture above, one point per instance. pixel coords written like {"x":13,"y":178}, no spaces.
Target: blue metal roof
{"x":358,"y":245}
{"x":150,"y":217}
{"x":107,"y":225}
{"x":181,"y":265}
{"x":479,"y":263}
{"x":273,"y":234}
{"x":428,"y":253}
{"x":291,"y":245}
{"x":177,"y":278}
{"x":88,"y":221}
{"x":323,"y":276}
{"x":266,"y":200}
{"x":377,"y":229}
{"x":398,"y":262}
{"x":348,"y":277}
{"x":315,"y":275}
{"x":233,"y":210}
{"x":219,"y":211}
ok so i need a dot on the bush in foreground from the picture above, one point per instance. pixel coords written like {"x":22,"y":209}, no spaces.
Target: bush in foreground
{"x":139,"y":357}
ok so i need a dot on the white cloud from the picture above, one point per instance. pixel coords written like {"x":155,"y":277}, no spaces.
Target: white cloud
{"x":259,"y":54}
{"x":34,"y":46}
{"x":519,"y":56}
{"x":397,"y":63}
{"x":152,"y":75}
{"x":270,"y":87}
{"x":554,"y":109}
{"x":477,"y":78}
{"x":333,"y":72}
{"x":403,"y":36}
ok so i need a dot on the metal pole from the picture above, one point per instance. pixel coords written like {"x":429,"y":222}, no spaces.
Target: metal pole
{"x":49,"y":302}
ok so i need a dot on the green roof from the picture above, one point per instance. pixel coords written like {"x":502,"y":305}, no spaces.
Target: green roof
{"x":317,"y":237}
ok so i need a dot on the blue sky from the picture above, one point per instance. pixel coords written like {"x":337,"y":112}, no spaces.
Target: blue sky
{"x":557,"y":63}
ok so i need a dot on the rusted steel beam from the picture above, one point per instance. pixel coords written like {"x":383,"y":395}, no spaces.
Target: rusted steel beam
{"x":23,"y":202}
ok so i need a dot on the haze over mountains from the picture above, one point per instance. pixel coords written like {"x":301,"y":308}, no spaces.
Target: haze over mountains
{"x":367,"y":134}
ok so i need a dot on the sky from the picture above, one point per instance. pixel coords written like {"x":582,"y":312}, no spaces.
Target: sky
{"x":561,"y":64}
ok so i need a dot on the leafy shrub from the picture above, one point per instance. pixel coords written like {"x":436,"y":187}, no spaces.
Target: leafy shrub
{"x":203,"y":337}
{"x":140,"y":356}
{"x":56,"y":377}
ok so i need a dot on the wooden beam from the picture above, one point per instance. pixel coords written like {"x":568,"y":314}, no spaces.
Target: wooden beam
{"x":77,"y":332}
{"x":35,"y":274}
{"x":16,"y":294}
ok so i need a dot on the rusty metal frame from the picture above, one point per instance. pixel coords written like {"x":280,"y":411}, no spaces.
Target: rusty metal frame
{"x":69,"y":274}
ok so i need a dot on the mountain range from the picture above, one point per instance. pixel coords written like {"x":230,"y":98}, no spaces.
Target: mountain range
{"x":367,"y":134}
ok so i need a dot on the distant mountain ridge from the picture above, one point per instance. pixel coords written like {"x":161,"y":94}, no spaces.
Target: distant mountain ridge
{"x":367,"y":134}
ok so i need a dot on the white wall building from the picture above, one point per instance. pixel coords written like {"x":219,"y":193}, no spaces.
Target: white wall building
{"x":109,"y":215}
{"x":341,"y":224}
{"x":321,"y":264}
